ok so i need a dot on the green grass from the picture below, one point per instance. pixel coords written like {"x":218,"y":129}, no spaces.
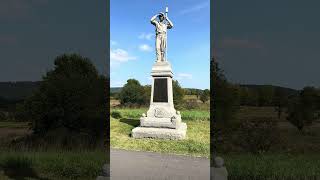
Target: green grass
{"x":196,"y":144}
{"x":51,"y":165}
{"x":273,"y":166}
{"x":186,"y":115}
{"x":7,"y":124}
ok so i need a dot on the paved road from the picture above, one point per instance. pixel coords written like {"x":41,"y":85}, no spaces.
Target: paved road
{"x":132,"y":165}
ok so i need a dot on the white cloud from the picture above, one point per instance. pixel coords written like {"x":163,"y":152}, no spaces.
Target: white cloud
{"x":195,"y":8}
{"x":118,"y":56}
{"x":146,"y":36}
{"x":184,"y":76}
{"x":145,"y":47}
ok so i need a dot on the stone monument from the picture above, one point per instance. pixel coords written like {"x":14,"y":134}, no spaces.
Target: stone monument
{"x":162,"y":120}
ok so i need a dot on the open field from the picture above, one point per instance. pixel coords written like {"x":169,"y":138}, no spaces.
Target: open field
{"x":294,"y":157}
{"x":275,"y":166}
{"x":290,"y":139}
{"x":196,"y":144}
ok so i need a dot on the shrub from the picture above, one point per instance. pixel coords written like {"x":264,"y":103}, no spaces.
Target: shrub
{"x":257,"y":135}
{"x":116,"y":114}
{"x":178,"y":93}
{"x":71,"y":96}
{"x":191,"y":104}
{"x":302,"y":109}
{"x":132,"y":93}
{"x":205,"y":95}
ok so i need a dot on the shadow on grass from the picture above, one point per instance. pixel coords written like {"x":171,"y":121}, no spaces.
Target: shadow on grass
{"x":19,"y":168}
{"x":131,"y":122}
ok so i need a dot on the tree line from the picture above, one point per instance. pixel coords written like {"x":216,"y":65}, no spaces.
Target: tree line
{"x":135,"y":94}
{"x":302,"y":106}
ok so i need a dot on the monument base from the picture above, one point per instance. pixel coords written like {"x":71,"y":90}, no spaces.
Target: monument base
{"x":160,"y":133}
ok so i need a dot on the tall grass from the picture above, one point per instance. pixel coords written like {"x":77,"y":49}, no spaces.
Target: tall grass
{"x":52,"y":165}
{"x":275,"y":166}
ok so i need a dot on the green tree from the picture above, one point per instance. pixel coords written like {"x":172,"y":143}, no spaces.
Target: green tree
{"x":72,"y":96}
{"x":178,"y":93}
{"x":226,"y":98}
{"x":302,"y":108}
{"x":280,"y":101}
{"x":205,"y":95}
{"x":266,"y":95}
{"x":133,"y":93}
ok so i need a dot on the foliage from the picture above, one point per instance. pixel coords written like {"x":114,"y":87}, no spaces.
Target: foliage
{"x":266,"y":93}
{"x":258,"y":134}
{"x":302,"y":108}
{"x":205,"y":95}
{"x":225,"y":96}
{"x":178,"y":93}
{"x":116,"y":114}
{"x":280,"y":101}
{"x":72,"y":96}
{"x":133,"y":93}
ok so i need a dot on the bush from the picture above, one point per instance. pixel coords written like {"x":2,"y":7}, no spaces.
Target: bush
{"x":205,"y":95}
{"x":191,"y":104}
{"x":302,"y":109}
{"x":133,"y":93}
{"x":257,"y":135}
{"x":71,"y":96}
{"x":116,"y":114}
{"x":178,"y":93}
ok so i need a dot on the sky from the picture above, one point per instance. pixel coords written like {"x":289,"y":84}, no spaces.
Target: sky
{"x":34,"y":32}
{"x":132,"y":41}
{"x":268,"y":42}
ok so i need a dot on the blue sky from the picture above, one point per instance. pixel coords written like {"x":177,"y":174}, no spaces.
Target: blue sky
{"x":132,"y":41}
{"x":268,"y":42}
{"x":34,"y":32}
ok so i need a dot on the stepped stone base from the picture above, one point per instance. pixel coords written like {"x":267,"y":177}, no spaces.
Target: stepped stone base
{"x":160,"y":133}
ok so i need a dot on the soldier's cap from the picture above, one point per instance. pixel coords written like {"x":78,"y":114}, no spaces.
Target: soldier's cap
{"x":161,"y":14}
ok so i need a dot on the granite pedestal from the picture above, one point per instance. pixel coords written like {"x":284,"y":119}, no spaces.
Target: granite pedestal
{"x":162,"y":120}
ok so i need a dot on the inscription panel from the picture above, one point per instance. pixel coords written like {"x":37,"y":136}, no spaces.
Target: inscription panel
{"x":160,"y":90}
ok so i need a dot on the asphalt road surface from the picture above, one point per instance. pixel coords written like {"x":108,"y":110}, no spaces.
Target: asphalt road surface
{"x":133,"y":165}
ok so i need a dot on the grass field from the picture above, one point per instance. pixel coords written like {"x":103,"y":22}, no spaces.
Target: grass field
{"x":53,"y":164}
{"x":295,"y":157}
{"x":290,"y":139}
{"x":279,"y":166}
{"x":196,"y":144}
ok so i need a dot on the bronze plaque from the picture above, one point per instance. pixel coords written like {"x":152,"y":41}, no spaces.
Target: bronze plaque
{"x":160,"y":90}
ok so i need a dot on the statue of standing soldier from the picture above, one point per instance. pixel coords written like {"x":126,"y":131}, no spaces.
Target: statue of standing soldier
{"x":161,"y":34}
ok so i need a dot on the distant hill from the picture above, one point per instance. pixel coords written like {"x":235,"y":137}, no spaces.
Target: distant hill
{"x":115,"y":89}
{"x":14,"y":91}
{"x":118,"y":89}
{"x":286,"y":90}
{"x":20,"y":90}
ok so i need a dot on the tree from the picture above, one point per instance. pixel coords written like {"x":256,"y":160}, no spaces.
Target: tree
{"x":204,"y":97}
{"x":72,"y":96}
{"x":132,"y":93}
{"x":302,"y":108}
{"x":280,"y":101}
{"x":226,"y":97}
{"x":178,"y":93}
{"x":265,"y":95}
